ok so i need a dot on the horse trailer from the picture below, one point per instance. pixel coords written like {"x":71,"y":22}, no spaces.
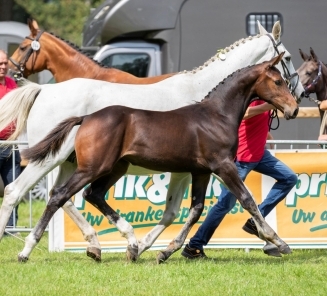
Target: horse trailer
{"x":153,"y":37}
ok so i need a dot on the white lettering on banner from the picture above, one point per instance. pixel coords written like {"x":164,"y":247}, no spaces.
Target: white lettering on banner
{"x":307,"y":186}
{"x":214,"y":187}
{"x":134,"y":187}
{"x":157,"y":192}
{"x":139,"y":186}
{"x":119,"y":188}
{"x":131,"y":187}
{"x":315,"y":184}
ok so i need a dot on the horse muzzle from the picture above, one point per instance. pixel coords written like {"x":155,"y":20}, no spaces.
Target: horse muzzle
{"x":17,"y":76}
{"x":291,"y":115}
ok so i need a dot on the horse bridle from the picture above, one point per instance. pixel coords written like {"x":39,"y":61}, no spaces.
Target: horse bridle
{"x":313,"y":83}
{"x":35,"y":46}
{"x":287,"y":75}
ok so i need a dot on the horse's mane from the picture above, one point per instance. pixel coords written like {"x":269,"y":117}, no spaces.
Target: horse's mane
{"x":77,"y":48}
{"x":221,"y":51}
{"x":230,"y":76}
{"x":205,"y":64}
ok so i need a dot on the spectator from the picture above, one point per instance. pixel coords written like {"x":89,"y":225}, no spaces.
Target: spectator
{"x":251,"y":156}
{"x":6,"y":153}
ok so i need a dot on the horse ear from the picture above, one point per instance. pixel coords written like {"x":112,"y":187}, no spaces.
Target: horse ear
{"x":313,"y":54}
{"x":303,"y":55}
{"x":274,"y":61}
{"x":262,"y":30}
{"x":277,"y":31}
{"x":34,"y":27}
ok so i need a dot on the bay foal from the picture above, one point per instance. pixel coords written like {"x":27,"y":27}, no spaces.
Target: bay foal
{"x":200,"y":138}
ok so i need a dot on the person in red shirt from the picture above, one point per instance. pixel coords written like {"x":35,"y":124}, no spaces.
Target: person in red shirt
{"x":7,"y":171}
{"x":251,"y":156}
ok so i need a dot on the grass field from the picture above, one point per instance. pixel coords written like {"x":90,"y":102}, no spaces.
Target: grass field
{"x":227,"y":272}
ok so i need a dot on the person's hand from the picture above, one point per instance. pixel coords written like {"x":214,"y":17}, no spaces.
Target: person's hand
{"x":269,"y":106}
{"x":323,"y":105}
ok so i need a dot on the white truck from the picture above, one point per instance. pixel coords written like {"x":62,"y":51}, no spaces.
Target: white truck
{"x":153,"y":37}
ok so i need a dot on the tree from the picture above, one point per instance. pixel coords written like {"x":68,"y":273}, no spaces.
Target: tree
{"x":64,"y":18}
{"x":6,"y":9}
{"x":11,"y":11}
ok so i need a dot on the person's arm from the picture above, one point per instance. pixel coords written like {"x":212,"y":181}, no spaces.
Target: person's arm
{"x":255,"y":110}
{"x":270,"y":137}
{"x":323,"y":105}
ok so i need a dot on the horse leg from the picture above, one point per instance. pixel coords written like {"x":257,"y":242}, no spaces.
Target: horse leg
{"x":94,"y":194}
{"x":271,"y":250}
{"x":59,"y":196}
{"x":94,"y":249}
{"x":15,"y":191}
{"x":229,"y":175}
{"x":199,"y":187}
{"x":177,"y":186}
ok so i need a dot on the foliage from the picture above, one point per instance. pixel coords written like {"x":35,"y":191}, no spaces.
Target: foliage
{"x":64,"y":18}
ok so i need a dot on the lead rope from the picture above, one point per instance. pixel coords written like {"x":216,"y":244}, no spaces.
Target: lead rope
{"x":273,"y":114}
{"x":322,"y":129}
{"x":323,"y":124}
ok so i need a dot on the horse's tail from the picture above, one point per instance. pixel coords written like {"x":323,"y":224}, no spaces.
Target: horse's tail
{"x":16,"y":105}
{"x":52,"y":142}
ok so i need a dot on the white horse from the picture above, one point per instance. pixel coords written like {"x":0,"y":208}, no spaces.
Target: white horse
{"x":42,"y":107}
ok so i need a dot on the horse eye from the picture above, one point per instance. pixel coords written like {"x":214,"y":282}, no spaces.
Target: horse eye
{"x":22,"y":47}
{"x":308,"y":73}
{"x":288,"y":59}
{"x":278,"y":82}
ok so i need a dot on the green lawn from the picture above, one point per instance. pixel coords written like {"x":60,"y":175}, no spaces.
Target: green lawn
{"x":227,"y":272}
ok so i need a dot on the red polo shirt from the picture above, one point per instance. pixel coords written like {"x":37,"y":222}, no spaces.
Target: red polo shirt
{"x":9,"y":85}
{"x":252,"y":136}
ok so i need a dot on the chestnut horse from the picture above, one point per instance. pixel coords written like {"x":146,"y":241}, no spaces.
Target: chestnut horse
{"x":111,"y":139}
{"x":41,"y":107}
{"x":65,"y":60}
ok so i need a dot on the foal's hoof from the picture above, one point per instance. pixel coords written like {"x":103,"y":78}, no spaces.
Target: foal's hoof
{"x":132,"y":253}
{"x":22,"y":258}
{"x":285,"y":249}
{"x":161,"y":257}
{"x":271,"y":250}
{"x":94,"y":253}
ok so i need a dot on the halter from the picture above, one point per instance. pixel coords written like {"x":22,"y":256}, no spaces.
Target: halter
{"x":35,"y":46}
{"x":313,"y":83}
{"x":287,"y":75}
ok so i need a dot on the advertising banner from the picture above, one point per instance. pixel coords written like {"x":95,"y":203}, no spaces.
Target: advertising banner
{"x":300,"y":219}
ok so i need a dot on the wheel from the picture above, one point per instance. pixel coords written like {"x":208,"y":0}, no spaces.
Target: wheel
{"x":40,"y":190}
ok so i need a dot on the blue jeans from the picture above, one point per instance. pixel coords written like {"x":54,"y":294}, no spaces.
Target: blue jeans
{"x":6,"y":172}
{"x":269,"y":165}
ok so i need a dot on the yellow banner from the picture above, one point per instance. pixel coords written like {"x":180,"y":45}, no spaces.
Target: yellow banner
{"x":301,"y":219}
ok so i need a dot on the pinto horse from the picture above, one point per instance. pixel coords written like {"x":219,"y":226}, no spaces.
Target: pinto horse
{"x":65,"y":60}
{"x":111,"y":139}
{"x":41,"y":107}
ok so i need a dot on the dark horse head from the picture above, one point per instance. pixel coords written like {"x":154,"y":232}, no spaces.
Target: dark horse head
{"x":313,"y":75}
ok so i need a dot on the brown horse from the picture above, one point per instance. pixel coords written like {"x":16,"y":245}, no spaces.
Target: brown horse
{"x":65,"y":60}
{"x":199,"y":138}
{"x":313,"y":76}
